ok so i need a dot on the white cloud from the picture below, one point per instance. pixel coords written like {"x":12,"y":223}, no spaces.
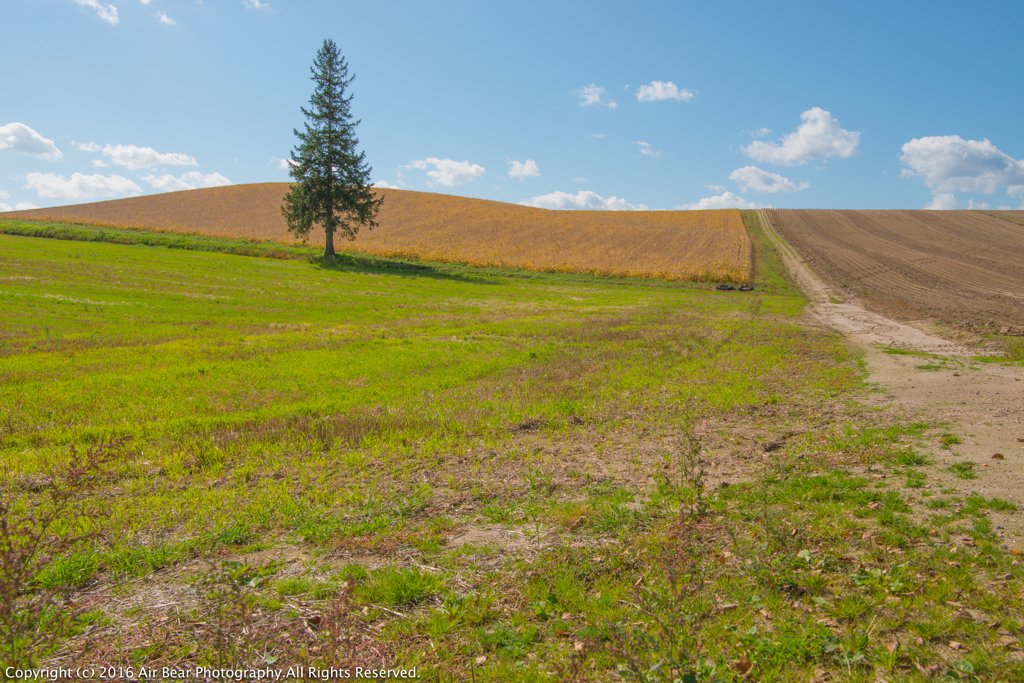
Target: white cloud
{"x":597,"y":135}
{"x":951,"y":164}
{"x":133,"y":158}
{"x":255,"y":4}
{"x":164,"y":19}
{"x":759,"y":132}
{"x":592,"y":94}
{"x":99,"y":163}
{"x":107,"y":13}
{"x":943,"y":202}
{"x":526,"y":170}
{"x":87,"y":146}
{"x":726,"y":200}
{"x":978,"y":206}
{"x":24,"y":206}
{"x":18,"y":137}
{"x":818,"y":137}
{"x":582,"y":200}
{"x":753,"y":178}
{"x":645,"y":148}
{"x":186,"y":181}
{"x":386,"y":185}
{"x":5,"y":207}
{"x":663,"y":90}
{"x":715,"y":188}
{"x":447,"y":172}
{"x":53,"y":186}
{"x":578,"y":179}
{"x":5,"y":195}
{"x":146,"y":2}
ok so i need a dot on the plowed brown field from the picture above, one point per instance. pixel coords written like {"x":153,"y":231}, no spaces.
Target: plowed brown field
{"x":963,"y":267}
{"x":677,"y":245}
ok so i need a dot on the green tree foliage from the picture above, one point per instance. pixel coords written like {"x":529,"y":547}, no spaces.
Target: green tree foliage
{"x":332,"y":180}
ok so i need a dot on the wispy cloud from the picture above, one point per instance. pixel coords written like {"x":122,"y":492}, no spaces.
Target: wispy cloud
{"x":164,"y":19}
{"x":107,"y":13}
{"x":646,"y":150}
{"x":593,"y":94}
{"x":255,"y":4}
{"x":663,"y":90}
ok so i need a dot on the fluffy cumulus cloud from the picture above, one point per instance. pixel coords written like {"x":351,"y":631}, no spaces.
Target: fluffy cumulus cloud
{"x":663,"y":90}
{"x":20,"y":206}
{"x":107,"y":13}
{"x":87,"y":146}
{"x":753,"y":178}
{"x":525,"y":170}
{"x":819,"y":137}
{"x":726,"y":200}
{"x":948,"y":163}
{"x":133,"y":158}
{"x":18,"y":137}
{"x":582,"y":200}
{"x":53,"y":186}
{"x":386,"y":185}
{"x":646,"y":150}
{"x":594,"y":94}
{"x":186,"y":181}
{"x":944,"y":201}
{"x":447,"y":172}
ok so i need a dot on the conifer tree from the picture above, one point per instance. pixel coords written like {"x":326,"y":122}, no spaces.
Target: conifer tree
{"x":332,"y":180}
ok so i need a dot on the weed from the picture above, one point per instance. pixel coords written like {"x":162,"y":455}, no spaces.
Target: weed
{"x":964,"y":470}
{"x":947,"y":441}
{"x":398,"y":587}
{"x":44,"y":548}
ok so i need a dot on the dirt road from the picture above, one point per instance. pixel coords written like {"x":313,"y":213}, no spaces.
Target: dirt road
{"x":979,"y":403}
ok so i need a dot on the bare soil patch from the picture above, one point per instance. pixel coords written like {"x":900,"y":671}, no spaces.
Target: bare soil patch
{"x":965,"y":268}
{"x":936,"y":380}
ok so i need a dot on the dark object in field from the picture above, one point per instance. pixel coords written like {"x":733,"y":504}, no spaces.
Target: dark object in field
{"x":746,"y":288}
{"x":724,"y":287}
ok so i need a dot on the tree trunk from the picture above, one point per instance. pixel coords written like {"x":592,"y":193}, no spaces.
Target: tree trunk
{"x":329,"y":233}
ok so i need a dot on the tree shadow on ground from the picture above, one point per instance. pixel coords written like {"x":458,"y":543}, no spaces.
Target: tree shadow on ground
{"x":373,"y":264}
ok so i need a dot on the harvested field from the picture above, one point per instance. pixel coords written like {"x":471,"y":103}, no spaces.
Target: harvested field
{"x":961,"y":267}
{"x":675,"y":245}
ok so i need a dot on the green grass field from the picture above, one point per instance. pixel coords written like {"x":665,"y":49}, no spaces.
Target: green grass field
{"x":483,"y":474}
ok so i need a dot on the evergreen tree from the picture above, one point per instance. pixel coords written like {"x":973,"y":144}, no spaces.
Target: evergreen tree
{"x":332,"y":179}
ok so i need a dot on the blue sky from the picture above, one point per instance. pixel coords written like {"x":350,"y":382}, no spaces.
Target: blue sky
{"x":884,"y":105}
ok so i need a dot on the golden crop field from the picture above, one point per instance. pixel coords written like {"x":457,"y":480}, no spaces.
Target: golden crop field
{"x":675,"y":245}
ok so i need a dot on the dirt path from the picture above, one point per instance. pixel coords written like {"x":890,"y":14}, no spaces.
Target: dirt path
{"x":981,"y":404}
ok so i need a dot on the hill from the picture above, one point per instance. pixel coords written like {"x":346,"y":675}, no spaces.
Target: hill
{"x":683,"y":245}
